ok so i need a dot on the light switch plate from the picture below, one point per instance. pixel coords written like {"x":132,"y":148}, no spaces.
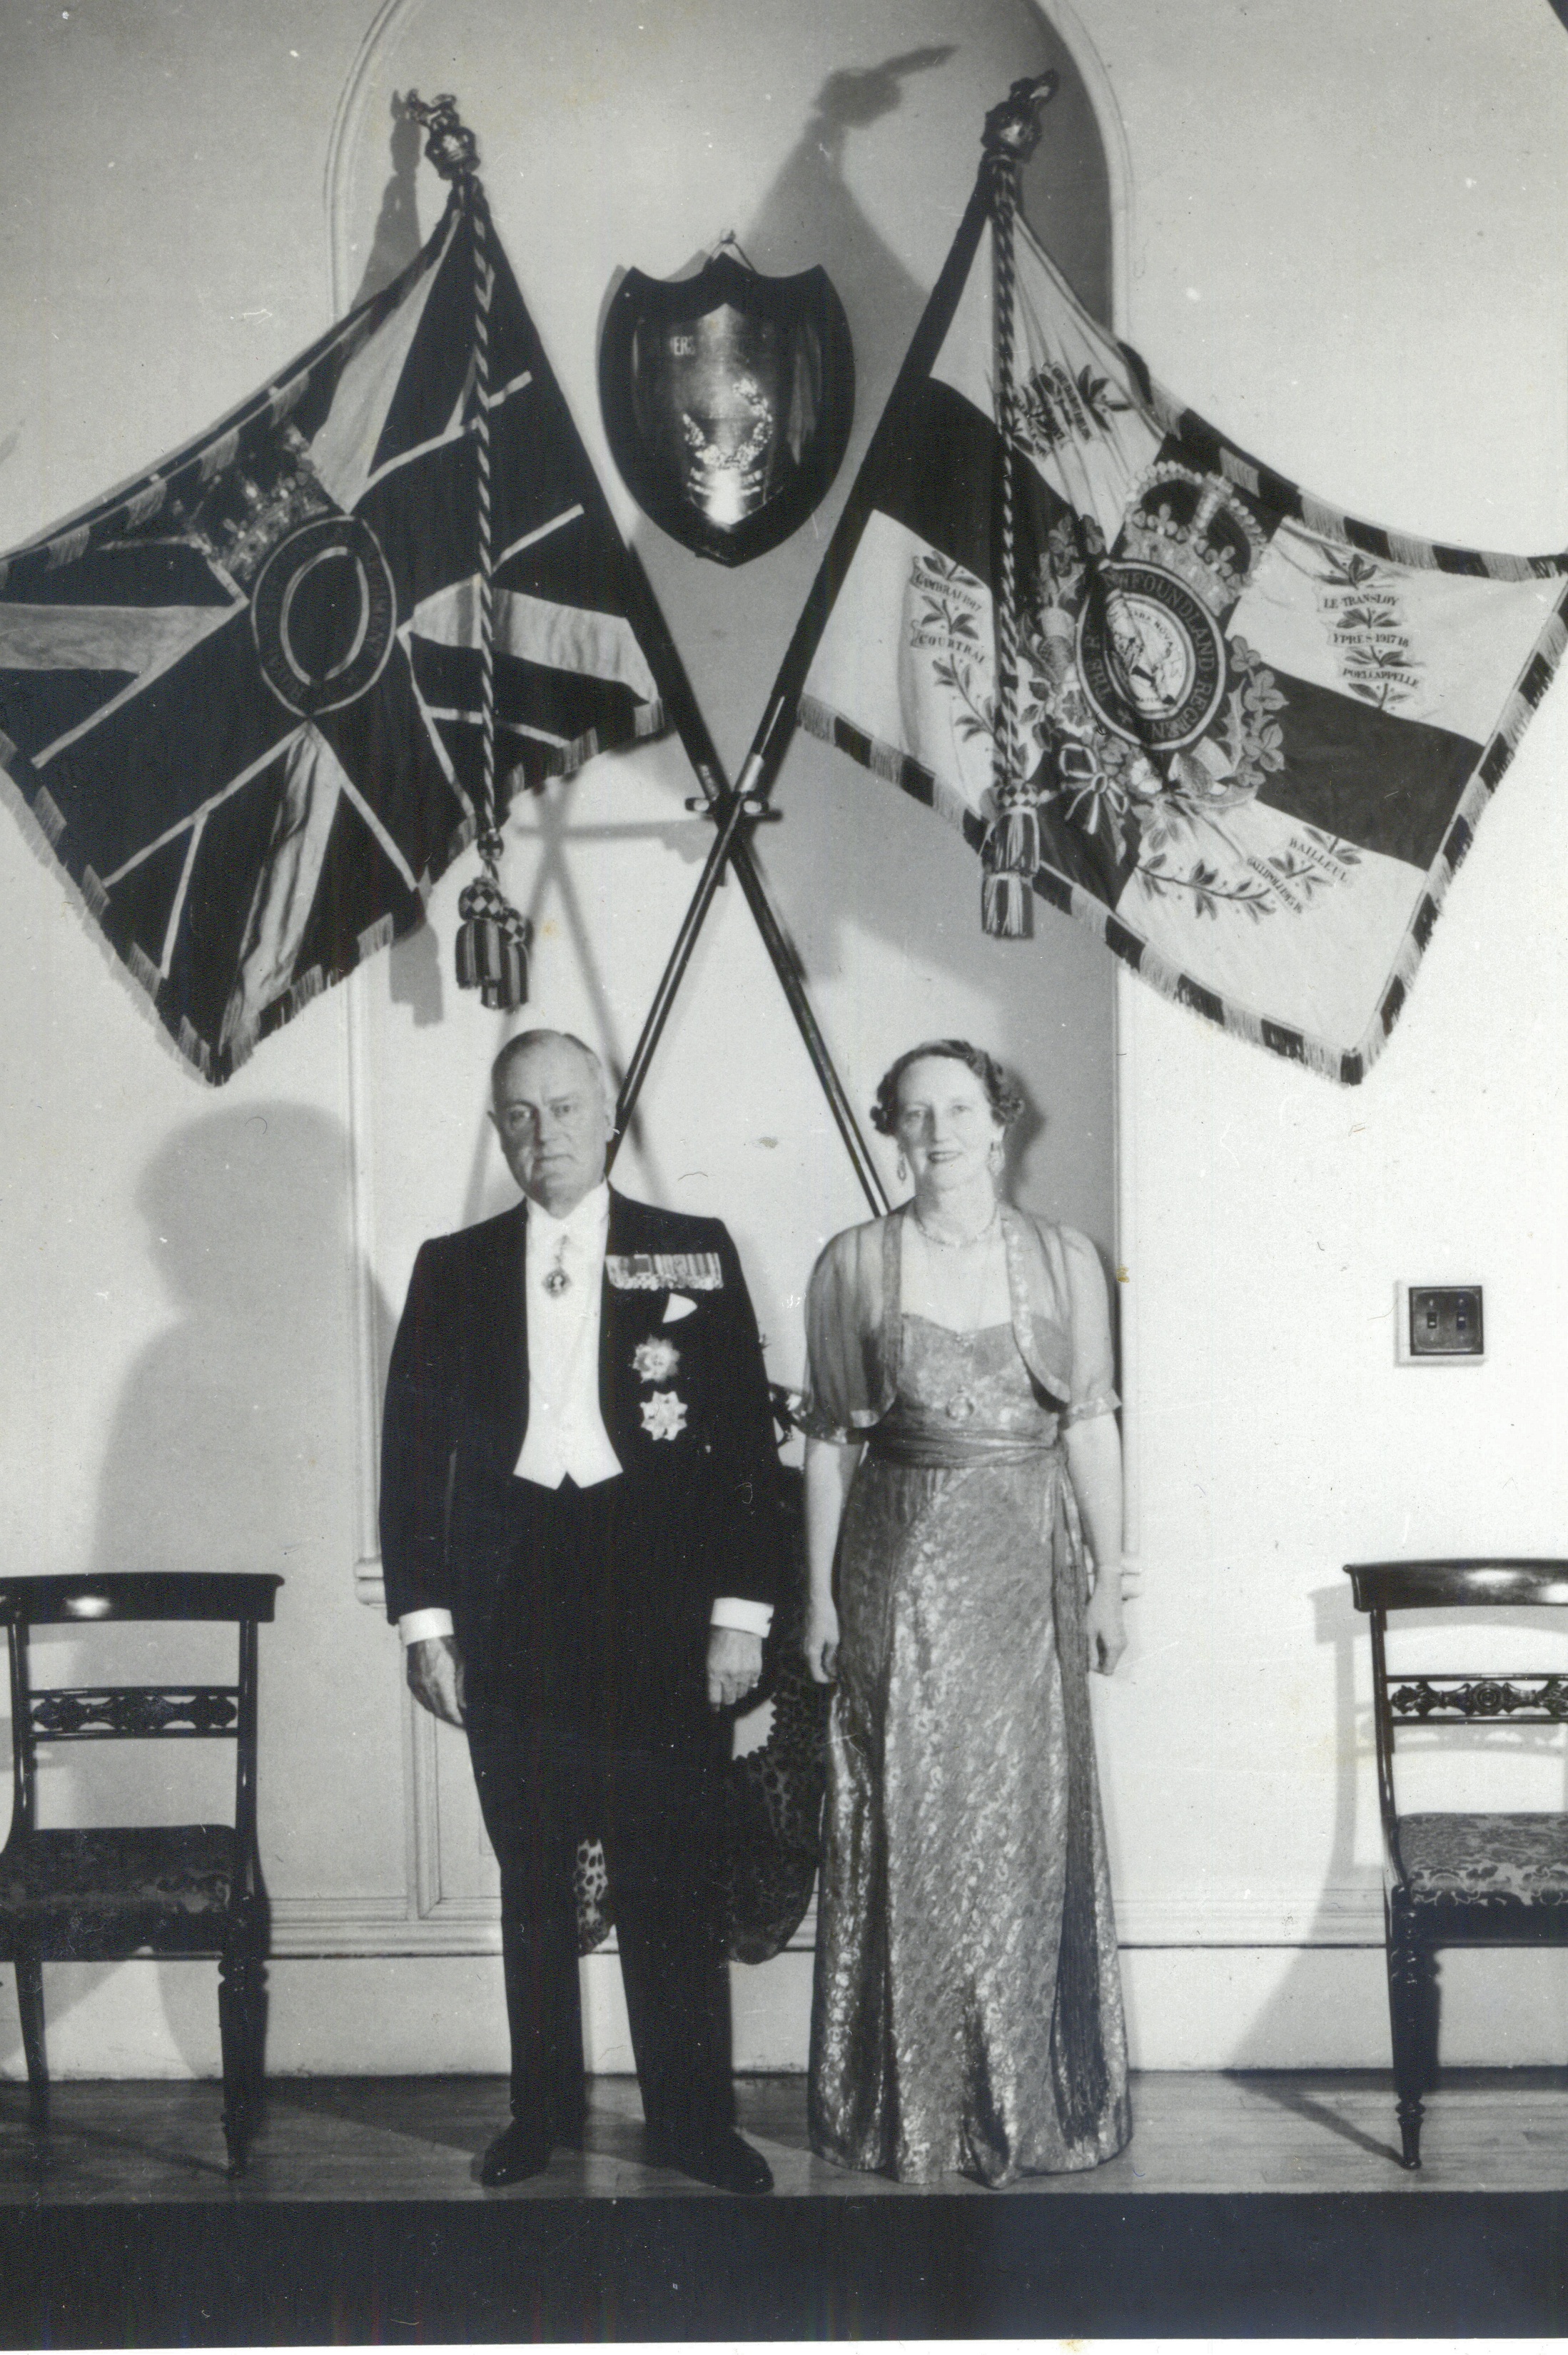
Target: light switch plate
{"x":1438,"y":1325}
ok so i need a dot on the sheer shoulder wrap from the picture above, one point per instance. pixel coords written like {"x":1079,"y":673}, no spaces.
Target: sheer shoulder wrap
{"x":852,"y":1323}
{"x":849,"y":1381}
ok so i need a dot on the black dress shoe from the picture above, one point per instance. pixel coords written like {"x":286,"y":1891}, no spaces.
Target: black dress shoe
{"x":514,"y":2156}
{"x":724,"y":2160}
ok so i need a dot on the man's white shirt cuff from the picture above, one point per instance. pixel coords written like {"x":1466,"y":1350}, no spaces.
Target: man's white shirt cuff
{"x":418,"y":1627}
{"x":733,"y":1611}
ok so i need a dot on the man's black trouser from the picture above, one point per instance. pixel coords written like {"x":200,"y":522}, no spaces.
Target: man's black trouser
{"x":559,"y":1759}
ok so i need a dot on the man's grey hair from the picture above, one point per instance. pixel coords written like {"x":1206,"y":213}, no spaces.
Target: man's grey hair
{"x":524,"y":1039}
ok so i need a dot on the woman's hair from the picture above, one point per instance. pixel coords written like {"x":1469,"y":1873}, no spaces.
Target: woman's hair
{"x":1003,"y":1092}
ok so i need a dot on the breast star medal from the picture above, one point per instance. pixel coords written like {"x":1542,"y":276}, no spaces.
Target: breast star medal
{"x":663,"y":1415}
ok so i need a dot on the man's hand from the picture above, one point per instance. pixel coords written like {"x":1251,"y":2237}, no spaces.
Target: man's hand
{"x":434,"y":1669}
{"x":734,"y":1664}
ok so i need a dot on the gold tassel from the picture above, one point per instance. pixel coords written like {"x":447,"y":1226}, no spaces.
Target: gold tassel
{"x":493,"y":946}
{"x":1007,"y":906}
{"x":1012,"y":844}
{"x":1010,"y":854}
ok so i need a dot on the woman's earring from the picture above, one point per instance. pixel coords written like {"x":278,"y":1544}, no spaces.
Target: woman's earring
{"x":904,"y":1171}
{"x":994,"y":1158}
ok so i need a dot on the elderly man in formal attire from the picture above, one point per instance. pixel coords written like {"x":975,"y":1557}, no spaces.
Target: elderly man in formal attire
{"x":580,"y":1534}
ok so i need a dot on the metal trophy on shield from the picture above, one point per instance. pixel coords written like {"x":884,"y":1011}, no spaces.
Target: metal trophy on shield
{"x":727,"y":401}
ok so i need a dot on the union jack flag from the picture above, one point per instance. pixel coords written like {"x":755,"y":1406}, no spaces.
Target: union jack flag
{"x":242,"y":696}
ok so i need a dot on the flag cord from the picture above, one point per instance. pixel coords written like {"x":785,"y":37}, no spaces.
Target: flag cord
{"x":493,"y":937}
{"x":488,"y":843}
{"x":1004,"y":206}
{"x":1011,"y":851}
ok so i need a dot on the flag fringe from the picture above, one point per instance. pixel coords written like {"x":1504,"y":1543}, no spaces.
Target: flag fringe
{"x":50,"y":814}
{"x":567,"y":759}
{"x":147,"y":502}
{"x":1344,"y":1065}
{"x":42,"y":825}
{"x":303,"y":991}
{"x":145,"y":970}
{"x":194,"y":1048}
{"x":375,"y":937}
{"x":69,"y":549}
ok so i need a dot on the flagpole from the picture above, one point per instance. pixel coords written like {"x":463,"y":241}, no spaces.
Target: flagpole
{"x":733,"y":809}
{"x":773,"y":736}
{"x":1007,"y":127}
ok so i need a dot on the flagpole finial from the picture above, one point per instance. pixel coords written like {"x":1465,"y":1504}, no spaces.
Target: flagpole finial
{"x":450,"y":144}
{"x":1012,"y":128}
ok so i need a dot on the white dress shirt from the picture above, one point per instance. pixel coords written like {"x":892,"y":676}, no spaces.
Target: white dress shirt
{"x":565,"y":1437}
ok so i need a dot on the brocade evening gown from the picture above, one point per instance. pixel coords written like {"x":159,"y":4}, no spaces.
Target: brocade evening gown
{"x":967,"y":2012}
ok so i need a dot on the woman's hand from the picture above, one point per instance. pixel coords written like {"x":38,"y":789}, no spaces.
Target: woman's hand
{"x":1103,"y":1626}
{"x":820,"y":1641}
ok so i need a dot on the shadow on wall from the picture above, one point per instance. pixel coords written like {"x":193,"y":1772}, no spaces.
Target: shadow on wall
{"x":397,"y":238}
{"x":216,"y":1446}
{"x":226,"y":1452}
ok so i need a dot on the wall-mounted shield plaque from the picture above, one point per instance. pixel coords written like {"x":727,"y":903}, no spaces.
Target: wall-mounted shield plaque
{"x":727,"y":401}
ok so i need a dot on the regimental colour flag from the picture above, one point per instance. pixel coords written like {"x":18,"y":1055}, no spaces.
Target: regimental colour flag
{"x":1259,"y":732}
{"x":242,"y":697}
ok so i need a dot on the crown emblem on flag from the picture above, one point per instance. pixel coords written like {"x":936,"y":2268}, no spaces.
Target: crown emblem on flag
{"x":263,"y":502}
{"x":1196,"y":527}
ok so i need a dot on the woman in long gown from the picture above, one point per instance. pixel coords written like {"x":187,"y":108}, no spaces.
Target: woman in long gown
{"x":960,"y":1442}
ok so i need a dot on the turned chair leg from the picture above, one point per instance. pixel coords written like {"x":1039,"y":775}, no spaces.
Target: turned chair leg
{"x":241,"y":2015}
{"x":1412,"y":1992}
{"x":30,"y":2005}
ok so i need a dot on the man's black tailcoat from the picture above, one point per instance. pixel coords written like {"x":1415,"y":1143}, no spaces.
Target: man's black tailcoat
{"x":583,"y":1621}
{"x":695,"y":1516}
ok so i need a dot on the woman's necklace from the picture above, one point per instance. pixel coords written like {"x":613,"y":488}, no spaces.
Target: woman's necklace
{"x":962,"y":1301}
{"x":962,"y":1243}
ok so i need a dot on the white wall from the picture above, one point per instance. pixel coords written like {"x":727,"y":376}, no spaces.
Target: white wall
{"x":1345,"y":249}
{"x":1342,"y":242}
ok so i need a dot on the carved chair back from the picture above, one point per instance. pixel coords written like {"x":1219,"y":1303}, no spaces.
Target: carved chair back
{"x":1455,"y":1696}
{"x":191,"y":1889}
{"x":87,"y":1713}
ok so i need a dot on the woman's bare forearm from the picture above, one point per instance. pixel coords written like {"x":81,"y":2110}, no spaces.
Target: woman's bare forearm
{"x":829,"y":1472}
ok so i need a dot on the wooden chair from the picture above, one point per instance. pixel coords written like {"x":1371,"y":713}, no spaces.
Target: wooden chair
{"x":1458,"y":1879}
{"x":182,"y":1888}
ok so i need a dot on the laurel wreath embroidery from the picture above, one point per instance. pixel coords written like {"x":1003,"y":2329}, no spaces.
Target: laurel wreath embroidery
{"x":655,"y":1360}
{"x":663,"y":1415}
{"x":1169,"y":822}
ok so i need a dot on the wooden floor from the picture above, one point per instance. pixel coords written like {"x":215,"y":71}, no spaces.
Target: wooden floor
{"x":389,"y":2139}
